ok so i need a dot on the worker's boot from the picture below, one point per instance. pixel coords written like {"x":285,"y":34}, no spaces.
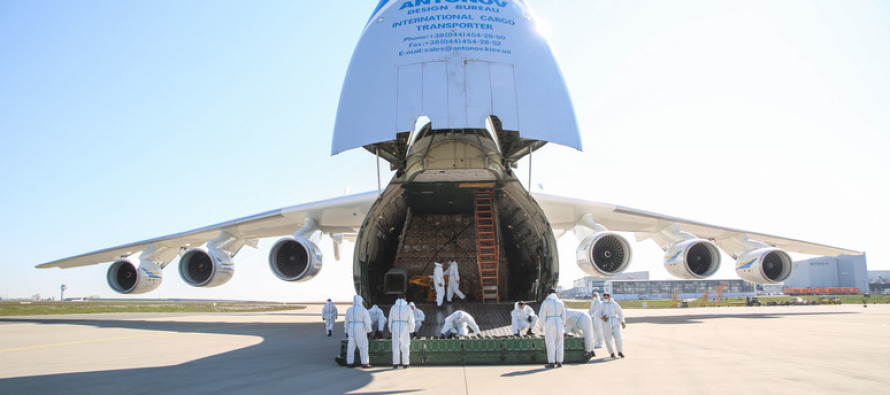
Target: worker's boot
{"x":529,"y":332}
{"x":620,"y":354}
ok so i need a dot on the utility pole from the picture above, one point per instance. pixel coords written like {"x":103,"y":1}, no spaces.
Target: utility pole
{"x":62,"y":296}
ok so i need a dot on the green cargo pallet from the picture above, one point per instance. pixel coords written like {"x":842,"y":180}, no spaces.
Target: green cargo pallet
{"x":471,"y":351}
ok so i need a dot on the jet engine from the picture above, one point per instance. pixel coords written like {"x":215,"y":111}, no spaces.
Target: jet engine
{"x":295,"y":258}
{"x":766,"y":265}
{"x":603,"y":254}
{"x":125,"y":277}
{"x":206,"y":267}
{"x":692,"y":259}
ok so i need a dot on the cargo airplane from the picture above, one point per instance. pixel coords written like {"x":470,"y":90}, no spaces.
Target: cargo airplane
{"x":452,"y":94}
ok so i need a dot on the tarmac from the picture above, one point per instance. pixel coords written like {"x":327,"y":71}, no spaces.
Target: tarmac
{"x":764,"y":350}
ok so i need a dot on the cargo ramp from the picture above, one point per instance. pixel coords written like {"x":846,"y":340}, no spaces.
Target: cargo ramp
{"x":495,"y":345}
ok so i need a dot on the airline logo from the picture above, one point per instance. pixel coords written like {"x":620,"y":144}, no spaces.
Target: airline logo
{"x":673,"y":257}
{"x":745,"y":265}
{"x":421,"y":3}
{"x":151,"y":274}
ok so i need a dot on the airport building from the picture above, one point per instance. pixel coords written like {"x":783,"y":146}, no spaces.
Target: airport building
{"x":829,"y":272}
{"x":685,"y":289}
{"x":583,"y":288}
{"x":637,"y":285}
{"x":845,"y":271}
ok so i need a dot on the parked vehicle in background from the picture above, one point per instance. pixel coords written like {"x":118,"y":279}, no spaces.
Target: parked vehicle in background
{"x":795,"y":300}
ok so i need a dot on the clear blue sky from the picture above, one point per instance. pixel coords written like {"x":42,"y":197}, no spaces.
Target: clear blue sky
{"x":125,"y":120}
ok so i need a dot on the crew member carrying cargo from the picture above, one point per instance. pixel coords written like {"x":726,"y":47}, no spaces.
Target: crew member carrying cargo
{"x":456,"y":324}
{"x":578,"y":323}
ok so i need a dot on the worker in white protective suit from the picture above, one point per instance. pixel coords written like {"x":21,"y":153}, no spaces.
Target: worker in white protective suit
{"x":401,"y":325}
{"x":553,"y":321}
{"x":357,"y":327}
{"x":439,"y":282}
{"x":578,"y":323}
{"x":454,"y":281}
{"x":329,"y":316}
{"x":524,"y":318}
{"x":594,"y":312}
{"x":418,"y":318}
{"x":457,"y":322}
{"x":612,"y":318}
{"x":378,"y":321}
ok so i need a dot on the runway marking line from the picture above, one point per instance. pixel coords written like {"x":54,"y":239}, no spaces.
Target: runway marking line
{"x":88,"y":341}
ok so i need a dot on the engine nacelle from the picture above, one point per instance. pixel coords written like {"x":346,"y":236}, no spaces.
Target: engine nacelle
{"x":692,"y":259}
{"x":766,"y":265}
{"x":124,"y":277}
{"x":203,"y":267}
{"x":295,"y":259}
{"x":603,"y":254}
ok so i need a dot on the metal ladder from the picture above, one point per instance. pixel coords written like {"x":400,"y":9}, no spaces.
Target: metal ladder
{"x":487,"y":244}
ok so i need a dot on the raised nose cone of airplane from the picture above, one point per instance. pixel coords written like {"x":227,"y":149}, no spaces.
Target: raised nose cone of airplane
{"x":457,"y":62}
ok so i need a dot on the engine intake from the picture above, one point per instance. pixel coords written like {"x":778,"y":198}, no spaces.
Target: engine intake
{"x":295,"y":259}
{"x":202,"y":267}
{"x":124,"y":277}
{"x":764,"y":266}
{"x":603,"y":254}
{"x":692,"y":259}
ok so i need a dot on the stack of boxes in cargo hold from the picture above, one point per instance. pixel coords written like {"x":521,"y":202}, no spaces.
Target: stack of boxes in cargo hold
{"x":432,"y":238}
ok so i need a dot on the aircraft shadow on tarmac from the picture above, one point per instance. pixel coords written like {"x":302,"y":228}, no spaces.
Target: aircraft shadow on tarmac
{"x":292,"y":358}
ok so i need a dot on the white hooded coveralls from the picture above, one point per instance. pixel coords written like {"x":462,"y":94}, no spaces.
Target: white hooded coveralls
{"x":578,"y":323}
{"x":521,"y":318}
{"x":401,"y":324}
{"x":595,"y":308}
{"x":553,"y":320}
{"x":612,"y":326}
{"x":457,"y":323}
{"x":378,"y":319}
{"x":329,"y":314}
{"x":357,"y":327}
{"x":454,"y":282}
{"x":439,"y":282}
{"x":418,"y":317}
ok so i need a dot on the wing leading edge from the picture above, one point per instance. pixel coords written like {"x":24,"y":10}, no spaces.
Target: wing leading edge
{"x":565,"y":213}
{"x":340,"y":215}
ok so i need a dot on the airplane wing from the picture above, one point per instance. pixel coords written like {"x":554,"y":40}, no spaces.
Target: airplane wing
{"x":340,"y":215}
{"x":564,"y":213}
